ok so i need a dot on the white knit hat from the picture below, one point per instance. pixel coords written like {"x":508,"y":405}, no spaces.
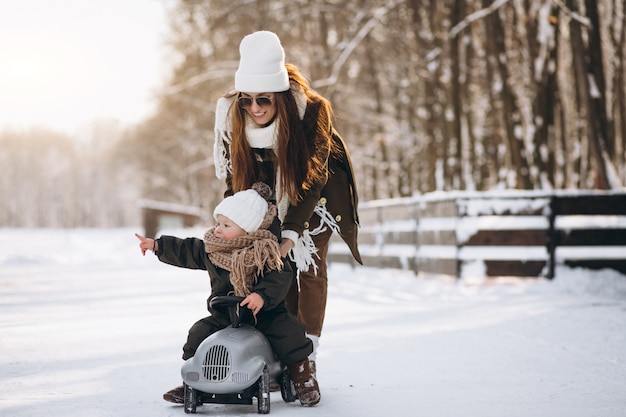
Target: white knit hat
{"x":249,"y":209}
{"x":261,"y":64}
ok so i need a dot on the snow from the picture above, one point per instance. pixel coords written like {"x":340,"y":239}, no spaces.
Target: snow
{"x":89,"y":327}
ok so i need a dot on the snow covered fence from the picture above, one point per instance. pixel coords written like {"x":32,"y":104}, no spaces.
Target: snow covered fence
{"x":157,"y":215}
{"x":588,"y":231}
{"x":478,"y":234}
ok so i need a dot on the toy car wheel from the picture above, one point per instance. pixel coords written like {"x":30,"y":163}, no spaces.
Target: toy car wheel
{"x":263,"y":396}
{"x":287,"y":389}
{"x":191,"y":399}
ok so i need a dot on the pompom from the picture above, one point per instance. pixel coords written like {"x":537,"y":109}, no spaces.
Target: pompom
{"x":263,"y":189}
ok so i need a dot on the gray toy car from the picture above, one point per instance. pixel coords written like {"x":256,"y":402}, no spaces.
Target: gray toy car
{"x":234,"y":365}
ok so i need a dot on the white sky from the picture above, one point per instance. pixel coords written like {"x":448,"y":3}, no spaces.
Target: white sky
{"x":66,"y":63}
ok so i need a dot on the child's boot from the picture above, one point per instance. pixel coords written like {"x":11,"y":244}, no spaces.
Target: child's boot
{"x":305,"y":383}
{"x":176,"y":395}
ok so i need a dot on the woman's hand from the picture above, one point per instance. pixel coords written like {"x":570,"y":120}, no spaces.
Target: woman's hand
{"x":254,"y":302}
{"x":285,"y":246}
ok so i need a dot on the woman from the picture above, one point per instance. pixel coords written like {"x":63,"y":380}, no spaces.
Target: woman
{"x":274,"y":128}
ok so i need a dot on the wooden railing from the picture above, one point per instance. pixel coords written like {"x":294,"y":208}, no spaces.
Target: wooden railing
{"x":492,"y":234}
{"x":158,"y":214}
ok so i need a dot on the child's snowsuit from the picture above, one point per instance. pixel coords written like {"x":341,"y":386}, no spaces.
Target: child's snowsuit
{"x":285,"y":334}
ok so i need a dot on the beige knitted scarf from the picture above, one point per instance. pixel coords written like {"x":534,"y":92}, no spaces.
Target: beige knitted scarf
{"x":246,"y":257}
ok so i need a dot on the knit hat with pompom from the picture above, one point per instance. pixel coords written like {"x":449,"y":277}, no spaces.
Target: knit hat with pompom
{"x":249,"y":209}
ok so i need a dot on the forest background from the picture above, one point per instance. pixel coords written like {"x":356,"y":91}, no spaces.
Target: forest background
{"x":429,"y":95}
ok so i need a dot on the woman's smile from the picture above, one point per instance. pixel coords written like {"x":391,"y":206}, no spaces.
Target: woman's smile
{"x":261,"y":107}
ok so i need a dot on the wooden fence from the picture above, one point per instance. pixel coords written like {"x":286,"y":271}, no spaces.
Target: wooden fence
{"x":157,"y":215}
{"x":492,"y":234}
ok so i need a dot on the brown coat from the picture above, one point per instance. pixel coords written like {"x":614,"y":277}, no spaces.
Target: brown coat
{"x":341,"y":198}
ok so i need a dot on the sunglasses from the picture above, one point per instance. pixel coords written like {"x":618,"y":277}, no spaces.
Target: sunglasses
{"x":246,"y":102}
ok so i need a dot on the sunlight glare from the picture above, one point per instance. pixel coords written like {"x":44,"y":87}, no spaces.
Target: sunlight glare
{"x":66,"y":65}
{"x":21,"y":71}
{"x":40,"y":79}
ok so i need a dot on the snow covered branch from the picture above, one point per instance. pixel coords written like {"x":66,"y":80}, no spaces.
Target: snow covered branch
{"x":351,"y":46}
{"x":476,"y":16}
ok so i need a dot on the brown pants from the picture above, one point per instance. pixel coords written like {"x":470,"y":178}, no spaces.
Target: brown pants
{"x":307,"y":296}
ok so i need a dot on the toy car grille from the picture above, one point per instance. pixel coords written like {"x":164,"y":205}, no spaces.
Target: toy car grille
{"x":216,"y":366}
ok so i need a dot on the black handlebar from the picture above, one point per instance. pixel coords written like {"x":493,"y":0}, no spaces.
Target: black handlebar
{"x":231,"y":304}
{"x":225,"y":301}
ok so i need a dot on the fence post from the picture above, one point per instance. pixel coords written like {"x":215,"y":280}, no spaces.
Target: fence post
{"x":457,"y":216}
{"x":416,"y":236}
{"x":380,"y":238}
{"x":551,"y":237}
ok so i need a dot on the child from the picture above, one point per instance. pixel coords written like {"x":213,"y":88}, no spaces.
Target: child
{"x":242,"y":257}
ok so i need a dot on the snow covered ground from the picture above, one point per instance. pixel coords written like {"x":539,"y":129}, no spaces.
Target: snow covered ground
{"x":89,"y":327}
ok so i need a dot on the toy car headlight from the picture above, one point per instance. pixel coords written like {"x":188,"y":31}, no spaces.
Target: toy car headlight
{"x":192,"y":376}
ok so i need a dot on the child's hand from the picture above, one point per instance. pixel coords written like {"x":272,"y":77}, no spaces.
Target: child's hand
{"x":145,"y":244}
{"x":254,"y":302}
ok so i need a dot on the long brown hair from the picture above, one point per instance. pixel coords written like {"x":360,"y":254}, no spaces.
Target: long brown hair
{"x":303,"y":145}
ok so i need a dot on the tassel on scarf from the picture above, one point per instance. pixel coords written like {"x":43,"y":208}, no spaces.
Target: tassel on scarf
{"x":304,"y":250}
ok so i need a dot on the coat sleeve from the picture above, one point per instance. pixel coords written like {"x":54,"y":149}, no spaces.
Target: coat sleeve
{"x":185,"y":253}
{"x":273,"y":286}
{"x":297,"y":216}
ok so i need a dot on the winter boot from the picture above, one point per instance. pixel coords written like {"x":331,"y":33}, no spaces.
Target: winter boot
{"x":176,"y":395}
{"x":305,"y":383}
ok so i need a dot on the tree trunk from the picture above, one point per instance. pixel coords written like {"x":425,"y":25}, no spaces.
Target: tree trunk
{"x":581,"y":74}
{"x":546,"y":91}
{"x":495,"y":35}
